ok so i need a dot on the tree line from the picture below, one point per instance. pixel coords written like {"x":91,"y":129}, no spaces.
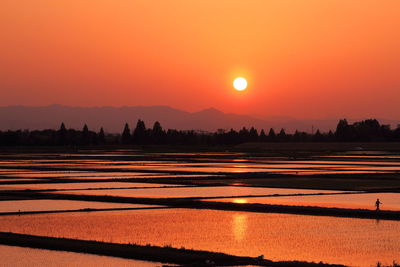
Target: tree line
{"x":364,"y":131}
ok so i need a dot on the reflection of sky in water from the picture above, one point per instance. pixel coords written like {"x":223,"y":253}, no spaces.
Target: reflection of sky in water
{"x":11,"y":256}
{"x":85,"y":185}
{"x":207,"y":164}
{"x":239,"y":200}
{"x":278,"y":236}
{"x":390,"y":201}
{"x":209,"y":191}
{"x":239,"y":226}
{"x":355,"y":242}
{"x":43,"y":204}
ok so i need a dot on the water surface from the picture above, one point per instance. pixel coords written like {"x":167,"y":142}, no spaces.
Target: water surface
{"x":47,"y":205}
{"x":390,"y":201}
{"x":12,"y":256}
{"x":207,"y":191}
{"x":355,"y":242}
{"x":210,"y":165}
{"x":83,"y":185}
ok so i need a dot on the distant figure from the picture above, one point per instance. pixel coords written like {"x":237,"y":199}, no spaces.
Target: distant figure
{"x":377,"y":204}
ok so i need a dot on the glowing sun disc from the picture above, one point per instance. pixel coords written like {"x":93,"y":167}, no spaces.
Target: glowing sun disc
{"x":240,"y":83}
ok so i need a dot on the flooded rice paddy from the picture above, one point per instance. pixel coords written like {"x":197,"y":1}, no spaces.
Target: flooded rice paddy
{"x":390,"y":201}
{"x":94,"y":175}
{"x":208,"y":165}
{"x":197,"y":192}
{"x":83,"y":185}
{"x":355,"y":242}
{"x":11,"y":256}
{"x":216,"y":177}
{"x":53,"y":205}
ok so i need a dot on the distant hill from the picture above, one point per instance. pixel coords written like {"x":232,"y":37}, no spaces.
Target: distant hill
{"x":114,"y":118}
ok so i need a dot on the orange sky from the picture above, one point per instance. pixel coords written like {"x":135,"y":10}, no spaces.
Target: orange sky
{"x":302,"y":58}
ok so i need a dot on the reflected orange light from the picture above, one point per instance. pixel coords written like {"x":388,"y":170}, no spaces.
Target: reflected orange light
{"x":237,"y":183}
{"x":240,"y":166}
{"x":239,"y":226}
{"x":239,"y":200}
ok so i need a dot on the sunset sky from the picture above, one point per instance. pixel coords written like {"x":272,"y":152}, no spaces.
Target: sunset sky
{"x":301,"y":58}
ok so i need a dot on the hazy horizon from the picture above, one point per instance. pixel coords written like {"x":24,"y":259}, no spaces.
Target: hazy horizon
{"x":254,"y":115}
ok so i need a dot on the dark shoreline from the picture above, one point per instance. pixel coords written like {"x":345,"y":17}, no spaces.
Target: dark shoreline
{"x":184,"y":257}
{"x":276,"y":146}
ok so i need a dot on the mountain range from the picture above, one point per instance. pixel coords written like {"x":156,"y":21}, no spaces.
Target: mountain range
{"x":112,"y":119}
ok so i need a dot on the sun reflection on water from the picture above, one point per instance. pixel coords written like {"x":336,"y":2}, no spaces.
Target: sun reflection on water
{"x":239,"y":200}
{"x":239,"y":226}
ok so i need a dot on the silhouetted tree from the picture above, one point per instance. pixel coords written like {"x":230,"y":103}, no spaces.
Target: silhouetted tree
{"x":271,"y":135}
{"x":157,"y":134}
{"x":230,"y":138}
{"x":318,"y":137}
{"x":282,"y":135}
{"x":367,"y":131}
{"x":85,"y":129}
{"x":126,"y":135}
{"x":140,"y":134}
{"x":331,"y":136}
{"x":253,"y":135}
{"x":296,"y":136}
{"x":172,"y":137}
{"x":62,"y":135}
{"x":102,"y":136}
{"x":244,"y":135}
{"x":85,"y":135}
{"x":263,"y":136}
{"x":396,"y":133}
{"x":343,"y":131}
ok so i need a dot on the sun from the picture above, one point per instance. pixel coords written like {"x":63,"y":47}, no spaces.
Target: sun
{"x":240,"y":83}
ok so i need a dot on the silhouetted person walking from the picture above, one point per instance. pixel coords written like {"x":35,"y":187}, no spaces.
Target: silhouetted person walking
{"x":377,"y":204}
